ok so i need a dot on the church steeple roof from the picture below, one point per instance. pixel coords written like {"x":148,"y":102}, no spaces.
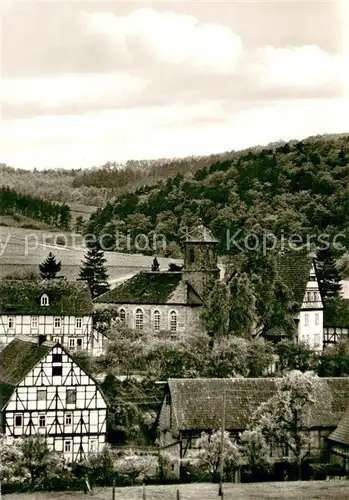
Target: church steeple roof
{"x":200,"y":234}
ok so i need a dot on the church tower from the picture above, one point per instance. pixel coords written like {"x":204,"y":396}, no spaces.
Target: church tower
{"x":200,"y":260}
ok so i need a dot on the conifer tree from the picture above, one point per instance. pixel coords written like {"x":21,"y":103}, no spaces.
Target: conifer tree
{"x":94,"y":271}
{"x":49,"y":268}
{"x":155,"y":265}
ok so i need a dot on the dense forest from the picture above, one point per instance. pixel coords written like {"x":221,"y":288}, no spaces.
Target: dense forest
{"x":297,"y":187}
{"x":51,"y":213}
{"x":94,"y":186}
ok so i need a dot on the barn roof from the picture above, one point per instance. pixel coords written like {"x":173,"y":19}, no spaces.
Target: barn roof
{"x":341,"y":433}
{"x":152,"y":288}
{"x":197,"y":403}
{"x":65,"y":297}
{"x":293,"y":267}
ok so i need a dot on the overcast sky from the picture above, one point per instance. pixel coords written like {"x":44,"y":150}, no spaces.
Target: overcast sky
{"x":88,"y":82}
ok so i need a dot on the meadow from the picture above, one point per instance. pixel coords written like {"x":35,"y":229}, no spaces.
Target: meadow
{"x":25,"y":249}
{"x":311,"y":490}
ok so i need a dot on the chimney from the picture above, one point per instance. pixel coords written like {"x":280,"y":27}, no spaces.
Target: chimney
{"x":41,"y":339}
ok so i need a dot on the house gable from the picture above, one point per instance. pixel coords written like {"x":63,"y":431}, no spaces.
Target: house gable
{"x":55,"y":397}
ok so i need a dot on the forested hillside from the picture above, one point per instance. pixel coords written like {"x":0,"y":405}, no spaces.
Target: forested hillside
{"x":50,"y":213}
{"x":53,"y":185}
{"x":297,"y":187}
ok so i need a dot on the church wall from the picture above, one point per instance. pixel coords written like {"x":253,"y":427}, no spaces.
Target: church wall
{"x":188,"y":318}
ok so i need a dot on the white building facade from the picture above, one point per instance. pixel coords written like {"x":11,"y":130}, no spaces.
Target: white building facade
{"x":311,"y":321}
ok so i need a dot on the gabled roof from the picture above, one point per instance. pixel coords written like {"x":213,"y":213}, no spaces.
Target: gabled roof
{"x":293,"y":268}
{"x":152,"y":288}
{"x":341,"y":433}
{"x":65,"y":297}
{"x":200,"y":234}
{"x":197,"y":403}
{"x":17,"y":359}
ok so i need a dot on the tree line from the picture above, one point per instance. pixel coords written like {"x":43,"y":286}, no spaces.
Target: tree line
{"x":51,"y":213}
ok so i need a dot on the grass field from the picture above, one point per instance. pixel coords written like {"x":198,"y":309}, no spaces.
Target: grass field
{"x":26,"y":249}
{"x":312,"y":490}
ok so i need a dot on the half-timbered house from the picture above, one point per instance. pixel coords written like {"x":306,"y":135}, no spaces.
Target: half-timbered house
{"x":58,"y":309}
{"x":193,"y":406}
{"x":43,"y":390}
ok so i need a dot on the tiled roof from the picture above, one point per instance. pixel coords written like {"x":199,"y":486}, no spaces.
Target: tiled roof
{"x":341,"y":433}
{"x":197,"y":403}
{"x":65,"y":297}
{"x":200,"y":234}
{"x":151,"y":288}
{"x":293,"y":267}
{"x":16,"y":361}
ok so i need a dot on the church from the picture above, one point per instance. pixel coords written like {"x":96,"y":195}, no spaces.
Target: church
{"x":169,"y":302}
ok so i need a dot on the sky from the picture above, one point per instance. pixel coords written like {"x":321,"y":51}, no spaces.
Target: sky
{"x":83,"y":83}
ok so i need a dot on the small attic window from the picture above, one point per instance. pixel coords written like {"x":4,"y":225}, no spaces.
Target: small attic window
{"x":44,"y":300}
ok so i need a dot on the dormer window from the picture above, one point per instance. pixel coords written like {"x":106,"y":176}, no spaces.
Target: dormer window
{"x":44,"y":300}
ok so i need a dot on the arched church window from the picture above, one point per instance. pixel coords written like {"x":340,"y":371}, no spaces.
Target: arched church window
{"x":139,"y":319}
{"x":156,"y":321}
{"x":173,"y":322}
{"x":122,"y":315}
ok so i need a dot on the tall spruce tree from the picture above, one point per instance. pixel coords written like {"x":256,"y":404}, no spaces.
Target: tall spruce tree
{"x":49,"y":267}
{"x":328,"y":274}
{"x":94,"y":271}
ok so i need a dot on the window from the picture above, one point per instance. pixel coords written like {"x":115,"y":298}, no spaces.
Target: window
{"x":316,"y":296}
{"x":173,"y":322}
{"x":139,"y":319}
{"x":191,"y":255}
{"x":78,"y":323}
{"x":57,"y":322}
{"x":11,"y":322}
{"x":57,"y":358}
{"x":308,"y":296}
{"x":18,"y":420}
{"x":34,"y":322}
{"x":57,"y":340}
{"x":56,"y":371}
{"x":79,"y":343}
{"x":42,"y":421}
{"x":72,"y":343}
{"x":67,"y":446}
{"x":317,"y":319}
{"x":44,"y":300}
{"x":156,"y":321}
{"x":71,"y":396}
{"x":306,"y":319}
{"x":122,"y":315}
{"x":92,"y":445}
{"x":42,"y":394}
{"x":317,"y":340}
{"x":68,"y":419}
